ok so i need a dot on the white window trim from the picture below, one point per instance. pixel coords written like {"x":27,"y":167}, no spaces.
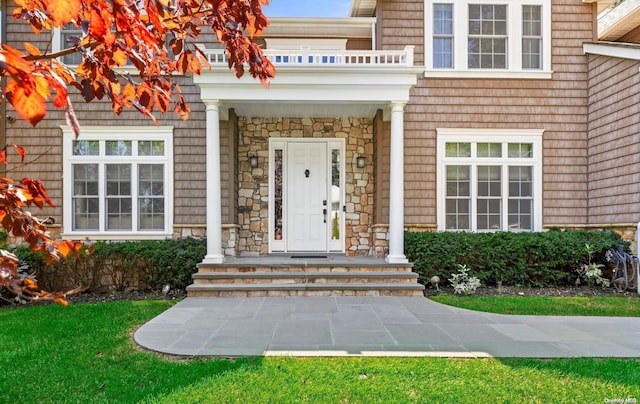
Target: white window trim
{"x":514,"y":41}
{"x":533,"y":136}
{"x":164,"y":133}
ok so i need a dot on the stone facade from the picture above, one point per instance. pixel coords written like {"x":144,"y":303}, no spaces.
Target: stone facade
{"x":253,"y":197}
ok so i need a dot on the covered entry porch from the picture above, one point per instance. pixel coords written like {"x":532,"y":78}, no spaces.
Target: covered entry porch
{"x":304,"y":179}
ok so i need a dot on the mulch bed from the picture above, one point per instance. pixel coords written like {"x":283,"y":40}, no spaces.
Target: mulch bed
{"x":179,"y":294}
{"x":551,"y":292}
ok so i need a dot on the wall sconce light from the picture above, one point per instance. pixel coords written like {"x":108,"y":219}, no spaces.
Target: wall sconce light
{"x":10,"y":118}
{"x":360,"y":162}
{"x":253,"y":161}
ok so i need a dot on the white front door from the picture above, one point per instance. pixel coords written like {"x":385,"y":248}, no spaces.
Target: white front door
{"x":307,"y":200}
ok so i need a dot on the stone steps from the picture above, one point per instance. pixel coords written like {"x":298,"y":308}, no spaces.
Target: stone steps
{"x":208,"y":268}
{"x":293,"y":279}
{"x":305,"y":289}
{"x":304,"y":277}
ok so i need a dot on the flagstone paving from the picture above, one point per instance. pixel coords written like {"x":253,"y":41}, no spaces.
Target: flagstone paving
{"x":377,"y":326}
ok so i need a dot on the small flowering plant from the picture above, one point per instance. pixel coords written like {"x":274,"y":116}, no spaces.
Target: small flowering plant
{"x":591,"y":272}
{"x":462,"y":283}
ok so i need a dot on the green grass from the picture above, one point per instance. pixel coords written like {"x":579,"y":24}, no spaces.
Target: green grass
{"x":84,"y":354}
{"x":556,"y":306}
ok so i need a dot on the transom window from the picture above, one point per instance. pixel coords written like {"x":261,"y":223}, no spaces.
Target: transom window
{"x":489,"y":182}
{"x":118,"y":181}
{"x":487,"y":38}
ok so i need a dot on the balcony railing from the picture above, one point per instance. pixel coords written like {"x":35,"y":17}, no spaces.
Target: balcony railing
{"x":329,"y":58}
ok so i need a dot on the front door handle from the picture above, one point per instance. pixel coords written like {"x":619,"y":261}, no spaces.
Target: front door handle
{"x":324,"y":213}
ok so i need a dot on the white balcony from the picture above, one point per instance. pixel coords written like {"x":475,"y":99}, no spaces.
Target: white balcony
{"x":313,"y":83}
{"x":305,"y":57}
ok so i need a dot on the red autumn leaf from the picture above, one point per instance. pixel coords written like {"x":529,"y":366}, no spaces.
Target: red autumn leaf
{"x":36,"y":189}
{"x":3,"y":156}
{"x":97,"y":27}
{"x":31,"y":49}
{"x":21,"y":151}
{"x":30,"y":284}
{"x":14,"y":62}
{"x":119,"y":57}
{"x":64,"y":11}
{"x":61,"y":301}
{"x":29,"y":104}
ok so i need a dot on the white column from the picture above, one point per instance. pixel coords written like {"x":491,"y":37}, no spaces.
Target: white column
{"x":396,"y":187}
{"x":214,"y":194}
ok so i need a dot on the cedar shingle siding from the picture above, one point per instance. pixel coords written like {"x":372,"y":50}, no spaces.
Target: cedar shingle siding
{"x":589,"y":112}
{"x":559,"y":106}
{"x":614,"y":140}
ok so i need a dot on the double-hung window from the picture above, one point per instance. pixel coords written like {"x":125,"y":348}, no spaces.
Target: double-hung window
{"x":487,"y":43}
{"x":68,"y":37}
{"x":443,"y":35}
{"x":488,"y":38}
{"x":531,"y":37}
{"x":489,"y":180}
{"x":118,"y":181}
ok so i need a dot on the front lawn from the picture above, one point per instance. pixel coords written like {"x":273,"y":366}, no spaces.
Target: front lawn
{"x":554,"y":306}
{"x":84,"y":353}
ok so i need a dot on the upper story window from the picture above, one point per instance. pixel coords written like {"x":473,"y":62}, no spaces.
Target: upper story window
{"x":489,"y":180}
{"x":118,"y":181}
{"x":488,"y":38}
{"x":487,"y":43}
{"x":66,"y":38}
{"x":443,"y":35}
{"x":531,"y":37}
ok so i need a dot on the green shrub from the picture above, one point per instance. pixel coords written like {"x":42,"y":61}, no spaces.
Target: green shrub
{"x":148,"y":264}
{"x":522,"y":259}
{"x":155,"y":263}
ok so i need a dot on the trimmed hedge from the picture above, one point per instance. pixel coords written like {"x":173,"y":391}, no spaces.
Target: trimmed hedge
{"x":149,"y":264}
{"x":517,"y":259}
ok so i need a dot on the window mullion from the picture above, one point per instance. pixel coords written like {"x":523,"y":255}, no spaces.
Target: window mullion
{"x":473,"y":209}
{"x":135,"y":223}
{"x":504,"y":208}
{"x":460,"y":13}
{"x":102,"y":192}
{"x":514,"y":31}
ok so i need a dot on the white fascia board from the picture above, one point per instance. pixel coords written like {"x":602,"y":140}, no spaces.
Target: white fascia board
{"x":318,"y":75}
{"x":313,"y":85}
{"x":307,"y":93}
{"x":631,"y":52}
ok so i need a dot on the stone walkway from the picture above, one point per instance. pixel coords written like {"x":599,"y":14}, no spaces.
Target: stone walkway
{"x":377,"y":326}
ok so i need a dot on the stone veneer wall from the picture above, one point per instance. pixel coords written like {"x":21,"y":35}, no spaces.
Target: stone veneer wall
{"x":253,"y":199}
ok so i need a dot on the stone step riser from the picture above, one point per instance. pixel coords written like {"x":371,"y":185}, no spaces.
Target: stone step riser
{"x":216,"y":269}
{"x":228,"y":280}
{"x":285,"y":293}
